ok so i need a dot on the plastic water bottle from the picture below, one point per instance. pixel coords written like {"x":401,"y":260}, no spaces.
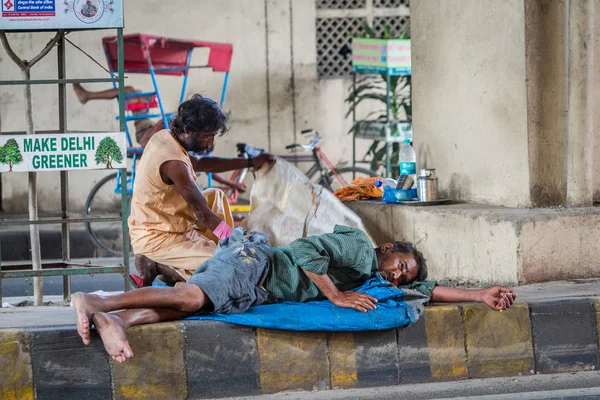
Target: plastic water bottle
{"x":387,"y":182}
{"x":408,"y":160}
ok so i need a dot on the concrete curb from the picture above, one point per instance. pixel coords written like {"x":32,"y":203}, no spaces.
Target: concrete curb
{"x":202,"y":359}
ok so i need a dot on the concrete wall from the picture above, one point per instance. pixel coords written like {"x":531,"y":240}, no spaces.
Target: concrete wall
{"x":274,"y":88}
{"x":479,"y":244}
{"x":505,"y":99}
{"x":470,"y":103}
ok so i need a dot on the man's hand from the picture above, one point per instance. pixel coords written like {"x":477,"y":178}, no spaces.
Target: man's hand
{"x":239,"y":186}
{"x":498,"y":297}
{"x":261,"y":159}
{"x":357,"y":300}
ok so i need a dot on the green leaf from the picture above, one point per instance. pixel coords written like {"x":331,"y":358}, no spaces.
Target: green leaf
{"x":371,"y":149}
{"x":387,"y":33}
{"x":405,"y":32}
{"x":370,"y":33}
{"x":359,"y":89}
{"x":363,"y":97}
{"x":377,"y":157}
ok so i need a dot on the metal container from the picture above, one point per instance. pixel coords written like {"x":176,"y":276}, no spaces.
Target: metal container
{"x":427,"y":185}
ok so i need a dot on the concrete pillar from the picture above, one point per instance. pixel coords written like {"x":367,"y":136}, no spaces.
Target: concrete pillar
{"x":561,"y":71}
{"x":505,"y":99}
{"x":469,"y":98}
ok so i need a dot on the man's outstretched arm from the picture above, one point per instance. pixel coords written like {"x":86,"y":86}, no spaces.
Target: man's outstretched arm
{"x":357,"y":300}
{"x":496,"y":297}
{"x":217,"y":164}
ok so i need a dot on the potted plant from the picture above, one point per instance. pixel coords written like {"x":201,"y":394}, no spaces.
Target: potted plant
{"x":371,"y":88}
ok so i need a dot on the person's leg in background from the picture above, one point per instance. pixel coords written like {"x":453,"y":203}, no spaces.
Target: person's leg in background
{"x":85,"y":95}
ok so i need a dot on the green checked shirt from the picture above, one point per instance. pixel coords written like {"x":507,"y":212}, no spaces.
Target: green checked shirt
{"x":346,"y":255}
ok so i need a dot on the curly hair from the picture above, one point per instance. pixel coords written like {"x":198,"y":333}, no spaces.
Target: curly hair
{"x":200,"y":115}
{"x":409,"y":248}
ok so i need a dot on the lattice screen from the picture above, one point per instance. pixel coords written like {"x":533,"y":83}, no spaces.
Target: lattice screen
{"x":390,"y":3}
{"x":340,"y":20}
{"x":341,"y":4}
{"x":333,"y":45}
{"x":394,"y":24}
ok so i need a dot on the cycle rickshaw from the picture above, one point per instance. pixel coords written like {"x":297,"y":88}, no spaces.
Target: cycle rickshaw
{"x":148,"y":55}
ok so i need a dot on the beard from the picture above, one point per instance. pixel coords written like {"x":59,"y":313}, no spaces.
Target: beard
{"x":204,"y":150}
{"x":193,"y":146}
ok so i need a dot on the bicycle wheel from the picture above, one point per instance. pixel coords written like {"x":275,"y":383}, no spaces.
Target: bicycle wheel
{"x":103,"y":200}
{"x":348,"y":174}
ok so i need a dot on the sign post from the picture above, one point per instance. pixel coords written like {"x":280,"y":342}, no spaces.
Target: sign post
{"x":30,"y":15}
{"x":34,"y":153}
{"x":381,"y":56}
{"x":62,"y":152}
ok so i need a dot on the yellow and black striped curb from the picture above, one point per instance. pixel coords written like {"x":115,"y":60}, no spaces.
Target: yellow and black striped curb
{"x":208,"y":359}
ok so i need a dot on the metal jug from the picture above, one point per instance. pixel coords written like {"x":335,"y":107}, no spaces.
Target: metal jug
{"x":427,"y":185}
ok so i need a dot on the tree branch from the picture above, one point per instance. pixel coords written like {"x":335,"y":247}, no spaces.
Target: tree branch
{"x":46,"y":49}
{"x":23,"y":64}
{"x":13,"y":56}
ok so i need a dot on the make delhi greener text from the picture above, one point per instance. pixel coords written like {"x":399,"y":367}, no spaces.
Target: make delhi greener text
{"x":66,"y":152}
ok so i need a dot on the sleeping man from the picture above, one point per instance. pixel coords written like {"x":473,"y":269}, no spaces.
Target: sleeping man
{"x":247,"y":271}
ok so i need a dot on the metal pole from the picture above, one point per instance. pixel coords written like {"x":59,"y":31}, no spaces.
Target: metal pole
{"x":224,"y":90}
{"x":0,"y":271}
{"x":122,"y":122}
{"x":353,"y":123}
{"x":185,"y":77}
{"x":64,"y":175}
{"x":388,"y":166}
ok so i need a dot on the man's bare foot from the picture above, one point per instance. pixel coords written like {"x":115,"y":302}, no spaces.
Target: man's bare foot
{"x":111,"y":330}
{"x":85,"y":305}
{"x":81,"y":93}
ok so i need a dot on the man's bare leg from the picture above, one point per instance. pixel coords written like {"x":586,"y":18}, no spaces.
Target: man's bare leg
{"x":149,"y":269}
{"x":111,"y":327}
{"x":184,"y":298}
{"x":85,"y":95}
{"x":146,"y":268}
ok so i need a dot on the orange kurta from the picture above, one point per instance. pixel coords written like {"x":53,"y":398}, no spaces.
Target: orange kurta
{"x":162,"y":225}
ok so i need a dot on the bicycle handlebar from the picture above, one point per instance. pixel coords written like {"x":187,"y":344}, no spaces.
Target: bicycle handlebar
{"x":311,"y":145}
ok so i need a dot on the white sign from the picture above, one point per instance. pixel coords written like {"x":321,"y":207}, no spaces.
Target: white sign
{"x":62,"y":152}
{"x":60,"y":14}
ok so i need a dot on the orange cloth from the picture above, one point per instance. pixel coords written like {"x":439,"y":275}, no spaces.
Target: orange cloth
{"x":361,"y":188}
{"x":162,"y":225}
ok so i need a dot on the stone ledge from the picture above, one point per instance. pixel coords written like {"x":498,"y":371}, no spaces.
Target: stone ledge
{"x":482,"y":244}
{"x":206,"y":359}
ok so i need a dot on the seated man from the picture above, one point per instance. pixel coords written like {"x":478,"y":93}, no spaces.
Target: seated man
{"x":247,"y":271}
{"x":174,"y":227}
{"x":144,"y":128}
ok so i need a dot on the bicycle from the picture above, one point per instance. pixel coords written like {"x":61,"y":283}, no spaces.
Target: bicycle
{"x":322,"y":170}
{"x":105,"y":196}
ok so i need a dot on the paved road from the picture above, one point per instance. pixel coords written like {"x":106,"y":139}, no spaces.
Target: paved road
{"x":53,"y":284}
{"x":582,"y":385}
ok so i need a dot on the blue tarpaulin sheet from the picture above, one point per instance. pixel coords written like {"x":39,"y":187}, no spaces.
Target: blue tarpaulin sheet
{"x":396,"y":308}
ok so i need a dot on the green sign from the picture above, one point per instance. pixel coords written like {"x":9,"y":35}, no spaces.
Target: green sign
{"x":387,"y":56}
{"x":62,"y":152}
